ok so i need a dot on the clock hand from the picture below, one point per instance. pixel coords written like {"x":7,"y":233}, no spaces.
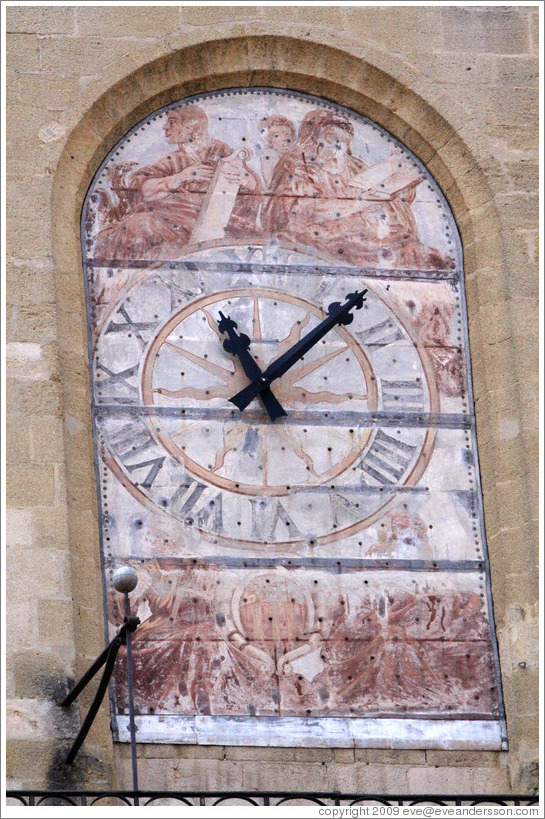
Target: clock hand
{"x":337,"y":314}
{"x":238,"y":344}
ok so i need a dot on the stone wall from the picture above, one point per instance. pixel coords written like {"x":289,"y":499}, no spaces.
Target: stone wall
{"x":459,"y":87}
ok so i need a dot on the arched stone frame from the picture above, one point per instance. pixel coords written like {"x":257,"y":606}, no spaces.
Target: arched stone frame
{"x":308,"y":67}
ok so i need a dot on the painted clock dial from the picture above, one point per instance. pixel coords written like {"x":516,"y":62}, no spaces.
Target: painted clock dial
{"x":327,"y":568}
{"x":327,"y":468}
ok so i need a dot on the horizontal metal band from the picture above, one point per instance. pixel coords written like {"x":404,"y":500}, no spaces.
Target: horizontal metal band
{"x":282,"y":268}
{"x":298,"y":417}
{"x":338,"y":566}
{"x":473,"y":732}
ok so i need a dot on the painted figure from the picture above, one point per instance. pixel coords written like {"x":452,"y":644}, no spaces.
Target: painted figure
{"x":166,"y":197}
{"x":319,"y":203}
{"x":279,"y":135}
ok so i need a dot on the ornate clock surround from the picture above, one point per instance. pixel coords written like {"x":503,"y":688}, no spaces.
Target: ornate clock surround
{"x":133,"y":526}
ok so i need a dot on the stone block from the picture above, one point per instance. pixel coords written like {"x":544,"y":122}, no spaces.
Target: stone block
{"x":22,"y":53}
{"x":466,"y":759}
{"x":43,"y":92}
{"x":41,"y":20}
{"x":50,"y":529}
{"x":39,"y":675}
{"x":330,"y":17}
{"x":90,"y":769}
{"x":111,"y":22}
{"x":510,"y":143}
{"x":19,"y":527}
{"x":259,"y":754}
{"x":30,"y":719}
{"x":440,"y":779}
{"x":30,"y":323}
{"x":388,"y":756}
{"x":55,"y":622}
{"x":30,"y":485}
{"x":30,"y":283}
{"x":46,"y":436}
{"x":27,"y":397}
{"x":178,"y":751}
{"x":533,"y":23}
{"x":17,"y":443}
{"x":25,"y":361}
{"x":21,"y":626}
{"x":344,"y":755}
{"x":370,"y":778}
{"x":212,"y":15}
{"x":24,"y":119}
{"x":496,"y":103}
{"x":494,"y":30}
{"x":299,"y":776}
{"x":77,"y":56}
{"x":41,"y":157}
{"x":187,"y":774}
{"x":322,"y":755}
{"x":33,"y":571}
{"x":490,"y":780}
{"x":518,"y":638}
{"x":28,"y":236}
{"x":28,"y":761}
{"x":469,"y":190}
{"x":452,"y":68}
{"x":402,"y":29}
{"x":516,"y":70}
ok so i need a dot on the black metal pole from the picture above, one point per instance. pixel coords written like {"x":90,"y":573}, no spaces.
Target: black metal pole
{"x":112,"y":650}
{"x":132,"y":725}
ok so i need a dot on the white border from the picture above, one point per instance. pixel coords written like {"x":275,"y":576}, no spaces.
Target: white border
{"x":336,"y":732}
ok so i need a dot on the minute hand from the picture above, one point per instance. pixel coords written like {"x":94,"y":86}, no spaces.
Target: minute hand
{"x":337,"y":314}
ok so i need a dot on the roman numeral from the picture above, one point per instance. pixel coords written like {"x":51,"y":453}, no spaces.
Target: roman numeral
{"x":119,"y":380}
{"x":407,"y":395}
{"x":267,"y":515}
{"x":155,"y":465}
{"x":130,"y":441}
{"x":387,"y":459}
{"x":178,"y":295}
{"x":387,"y":332}
{"x":197,"y":501}
{"x":289,"y":528}
{"x":343,"y":509}
{"x":135,"y":328}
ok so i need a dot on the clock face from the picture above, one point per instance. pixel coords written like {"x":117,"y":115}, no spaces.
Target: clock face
{"x":324,"y":470}
{"x":328,"y":565}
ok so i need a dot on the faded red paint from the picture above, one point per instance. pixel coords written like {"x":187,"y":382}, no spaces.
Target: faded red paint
{"x":390,"y":652}
{"x":367,"y":594}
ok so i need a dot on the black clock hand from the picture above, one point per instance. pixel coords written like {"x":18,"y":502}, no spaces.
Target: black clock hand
{"x":337,"y":314}
{"x":238,"y":344}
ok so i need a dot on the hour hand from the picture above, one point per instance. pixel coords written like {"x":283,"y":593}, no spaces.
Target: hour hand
{"x":337,"y":313}
{"x":238,"y":344}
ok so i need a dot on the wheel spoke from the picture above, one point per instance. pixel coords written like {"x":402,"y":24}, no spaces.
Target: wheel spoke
{"x":303,"y":370}
{"x":215,"y":369}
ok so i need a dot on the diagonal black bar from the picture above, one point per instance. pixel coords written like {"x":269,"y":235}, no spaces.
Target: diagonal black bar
{"x":239,"y":344}
{"x":106,"y":658}
{"x":95,"y":705}
{"x":337,"y":314}
{"x":89,"y":674}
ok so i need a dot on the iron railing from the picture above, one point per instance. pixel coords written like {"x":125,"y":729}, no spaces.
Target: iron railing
{"x":257,"y":799}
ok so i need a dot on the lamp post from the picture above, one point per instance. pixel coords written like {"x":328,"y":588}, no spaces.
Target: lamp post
{"x":124,"y":580}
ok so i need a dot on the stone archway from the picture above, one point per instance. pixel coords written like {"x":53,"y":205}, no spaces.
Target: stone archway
{"x":277,"y":62}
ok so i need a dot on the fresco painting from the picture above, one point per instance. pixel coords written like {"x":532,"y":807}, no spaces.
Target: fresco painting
{"x":269,"y":642}
{"x":329,"y":565}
